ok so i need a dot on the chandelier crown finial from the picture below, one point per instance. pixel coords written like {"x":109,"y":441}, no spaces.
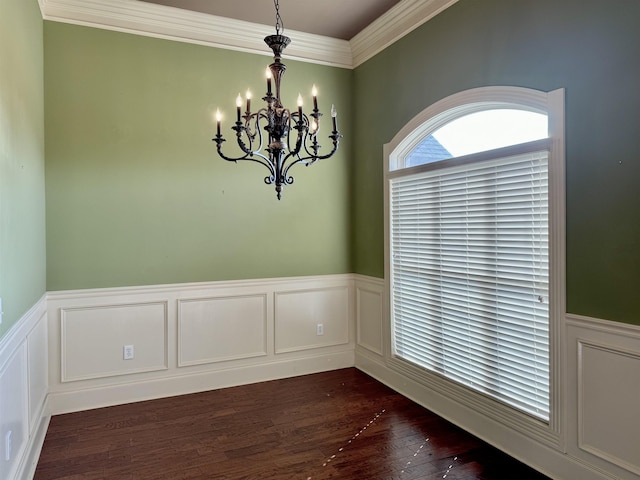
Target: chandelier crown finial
{"x":277,"y":43}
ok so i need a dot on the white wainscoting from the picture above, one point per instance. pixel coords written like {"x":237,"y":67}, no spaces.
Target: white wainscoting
{"x":24,"y":413}
{"x":601,"y":392}
{"x":194,"y":337}
{"x":213,"y":335}
{"x":604,"y":394}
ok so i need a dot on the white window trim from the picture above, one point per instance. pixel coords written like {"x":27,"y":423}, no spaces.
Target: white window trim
{"x":421,"y":126}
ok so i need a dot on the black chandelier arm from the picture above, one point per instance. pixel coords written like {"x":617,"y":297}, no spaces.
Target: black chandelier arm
{"x":240,"y":130}
{"x":256,"y":157}
{"x":312,"y":136}
{"x":301,"y":126}
{"x":312,"y":150}
{"x":310,"y":159}
{"x":257,"y":131}
{"x":335,"y":138}
{"x":315,"y":146}
{"x":246,"y":130}
{"x":251,"y":134}
{"x":285,"y":170}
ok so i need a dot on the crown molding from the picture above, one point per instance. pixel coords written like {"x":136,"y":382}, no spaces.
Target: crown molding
{"x":397,"y":22}
{"x":159,"y":21}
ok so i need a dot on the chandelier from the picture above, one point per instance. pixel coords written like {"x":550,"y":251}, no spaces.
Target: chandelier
{"x":291,"y":136}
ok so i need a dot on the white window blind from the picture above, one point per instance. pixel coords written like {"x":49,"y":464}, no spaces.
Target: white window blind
{"x":470,"y":267}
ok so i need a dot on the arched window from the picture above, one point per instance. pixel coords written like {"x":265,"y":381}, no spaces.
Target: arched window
{"x":478,"y":132}
{"x":474,"y":219}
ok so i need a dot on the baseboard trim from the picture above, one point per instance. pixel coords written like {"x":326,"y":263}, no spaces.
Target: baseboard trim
{"x":109,"y":395}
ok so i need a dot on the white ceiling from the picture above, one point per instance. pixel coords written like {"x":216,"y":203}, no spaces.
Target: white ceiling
{"x":341,"y":19}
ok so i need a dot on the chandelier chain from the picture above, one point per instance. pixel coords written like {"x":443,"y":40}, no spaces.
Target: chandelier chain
{"x":279,"y":22}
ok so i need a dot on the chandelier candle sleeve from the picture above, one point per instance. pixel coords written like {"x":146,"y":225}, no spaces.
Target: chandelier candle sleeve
{"x":314,"y":94}
{"x":334,"y":114}
{"x":239,"y":106}
{"x":268,"y":82}
{"x":275,"y":136}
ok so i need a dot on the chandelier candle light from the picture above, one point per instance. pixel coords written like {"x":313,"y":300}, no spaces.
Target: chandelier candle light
{"x":284,"y":148}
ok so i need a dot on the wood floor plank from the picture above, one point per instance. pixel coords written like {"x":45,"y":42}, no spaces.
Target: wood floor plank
{"x":333,"y":425}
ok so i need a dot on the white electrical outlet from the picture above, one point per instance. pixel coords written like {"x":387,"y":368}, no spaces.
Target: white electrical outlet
{"x":128,"y":352}
{"x":7,"y":445}
{"x":320,"y":329}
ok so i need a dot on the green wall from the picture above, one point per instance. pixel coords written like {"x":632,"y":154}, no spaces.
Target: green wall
{"x":22,"y":213}
{"x":136,"y":194}
{"x":592,"y":49}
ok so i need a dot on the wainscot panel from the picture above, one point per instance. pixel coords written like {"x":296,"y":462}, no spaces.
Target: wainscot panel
{"x":221,"y":329}
{"x":315,"y":318}
{"x":369,"y":304}
{"x":604,"y":390}
{"x":111,"y":340}
{"x":193,"y":337}
{"x":24,"y":413}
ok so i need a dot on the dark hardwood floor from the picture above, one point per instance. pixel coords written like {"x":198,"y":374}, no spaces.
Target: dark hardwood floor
{"x":340,"y":425}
